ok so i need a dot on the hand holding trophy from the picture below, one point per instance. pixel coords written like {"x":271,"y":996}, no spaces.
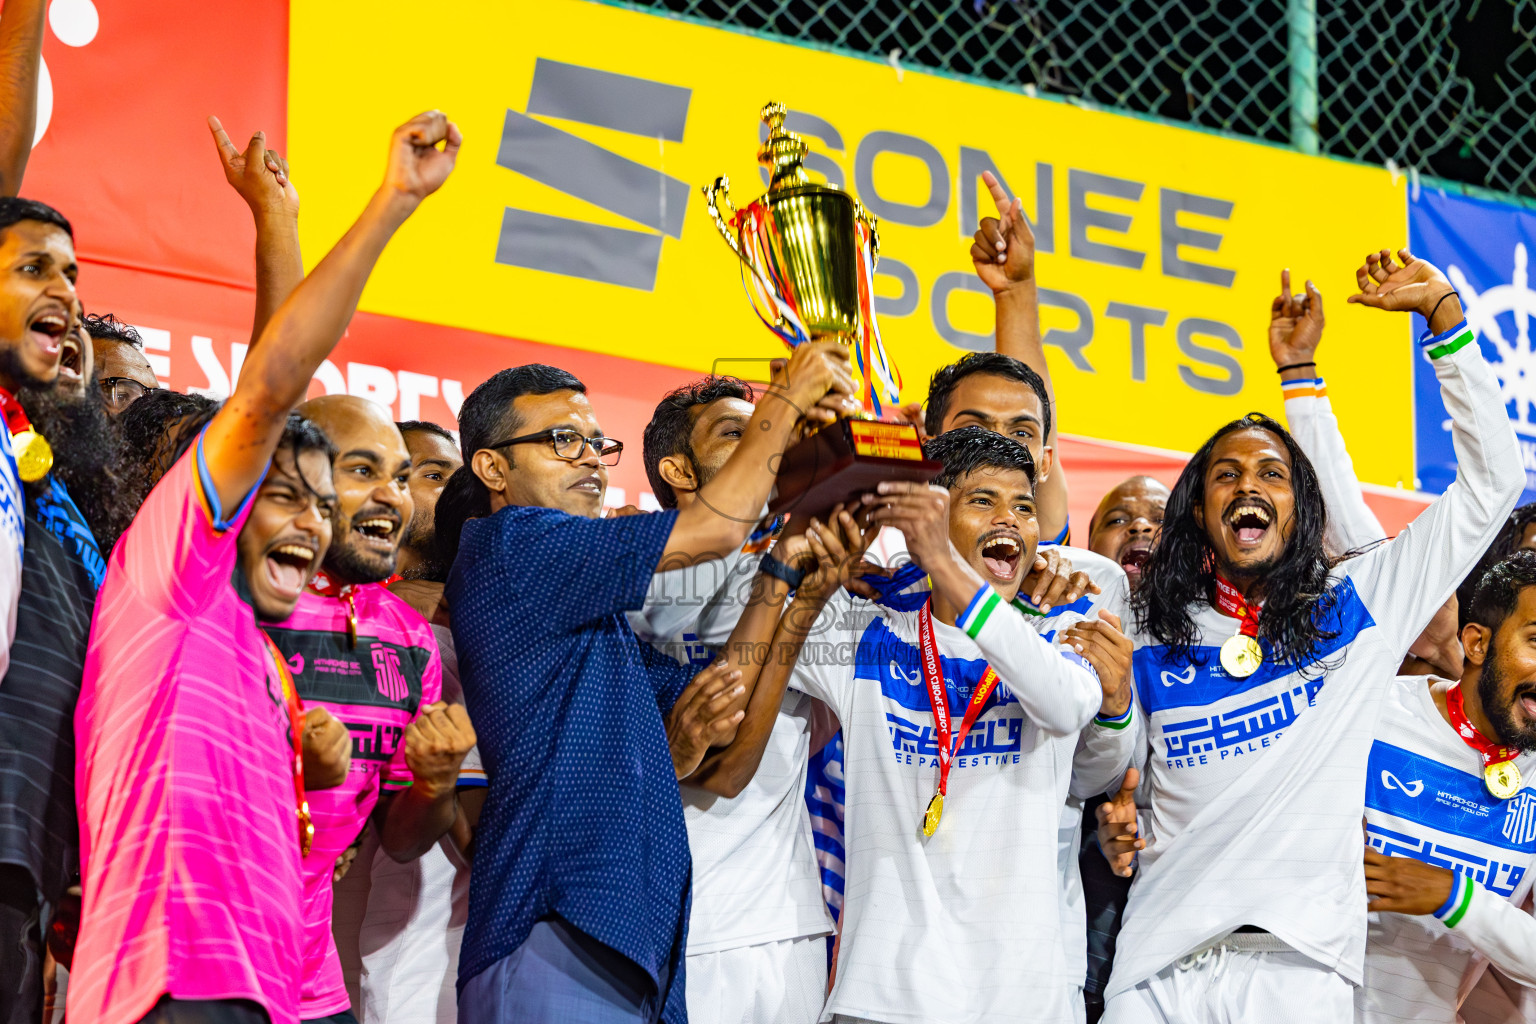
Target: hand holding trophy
{"x":808,"y":255}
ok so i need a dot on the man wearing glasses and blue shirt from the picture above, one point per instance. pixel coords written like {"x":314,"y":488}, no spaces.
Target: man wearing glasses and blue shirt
{"x":579,"y":897}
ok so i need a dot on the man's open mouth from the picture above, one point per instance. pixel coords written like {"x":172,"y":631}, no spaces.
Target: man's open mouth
{"x":1249,"y":522}
{"x":1526,"y":699}
{"x":288,"y":568}
{"x":378,"y":532}
{"x":589,"y":484}
{"x":49,"y":328}
{"x":1134,"y":558}
{"x":71,"y":356}
{"x":1000,"y":553}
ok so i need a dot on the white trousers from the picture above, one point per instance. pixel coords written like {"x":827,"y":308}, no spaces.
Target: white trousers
{"x":1223,"y":985}
{"x":781,"y":982}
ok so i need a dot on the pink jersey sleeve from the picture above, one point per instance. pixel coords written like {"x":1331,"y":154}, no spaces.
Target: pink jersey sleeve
{"x":169,"y":552}
{"x":397,"y":774}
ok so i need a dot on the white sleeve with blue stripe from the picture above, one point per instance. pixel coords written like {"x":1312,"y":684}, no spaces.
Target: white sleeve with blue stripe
{"x":1351,"y":523}
{"x":1056,"y":688}
{"x":1405,"y":581}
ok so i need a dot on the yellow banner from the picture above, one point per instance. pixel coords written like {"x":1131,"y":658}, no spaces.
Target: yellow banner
{"x":575,"y":217}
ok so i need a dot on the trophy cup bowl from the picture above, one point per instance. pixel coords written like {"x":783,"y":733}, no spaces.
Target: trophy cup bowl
{"x":808,"y":252}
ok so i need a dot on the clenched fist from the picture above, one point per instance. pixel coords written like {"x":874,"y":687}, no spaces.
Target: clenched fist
{"x":417,"y":168}
{"x":435,"y":745}
{"x":327,"y":749}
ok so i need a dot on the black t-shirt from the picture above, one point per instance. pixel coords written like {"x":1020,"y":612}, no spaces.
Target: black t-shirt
{"x":61,"y":569}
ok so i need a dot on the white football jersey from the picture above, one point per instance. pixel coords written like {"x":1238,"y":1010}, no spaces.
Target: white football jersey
{"x":1254,"y":783}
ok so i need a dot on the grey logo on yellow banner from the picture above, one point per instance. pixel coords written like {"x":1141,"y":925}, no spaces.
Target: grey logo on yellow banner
{"x":561,"y":160}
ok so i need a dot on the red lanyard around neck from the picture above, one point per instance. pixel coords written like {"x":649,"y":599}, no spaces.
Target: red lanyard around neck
{"x":1230,"y":602}
{"x":1493,"y":753}
{"x":296,"y":734}
{"x":933,"y":675}
{"x":345,"y":592}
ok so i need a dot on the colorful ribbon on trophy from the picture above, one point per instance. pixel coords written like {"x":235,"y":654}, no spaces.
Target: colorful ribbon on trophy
{"x":766,"y":293}
{"x":881,"y":381}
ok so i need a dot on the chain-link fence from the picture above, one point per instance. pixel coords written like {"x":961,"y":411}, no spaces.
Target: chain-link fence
{"x":1443,"y":87}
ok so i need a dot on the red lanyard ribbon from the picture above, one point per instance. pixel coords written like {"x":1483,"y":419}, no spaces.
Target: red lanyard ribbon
{"x":1493,"y":753}
{"x":1230,"y":601}
{"x":296,"y":733}
{"x":325,"y":586}
{"x":15,"y":416}
{"x":933,"y":675}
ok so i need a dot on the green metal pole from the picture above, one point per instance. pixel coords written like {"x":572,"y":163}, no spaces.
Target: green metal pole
{"x":1301,"y":24}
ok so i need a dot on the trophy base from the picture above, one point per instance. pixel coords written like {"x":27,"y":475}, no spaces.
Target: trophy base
{"x":843,"y":460}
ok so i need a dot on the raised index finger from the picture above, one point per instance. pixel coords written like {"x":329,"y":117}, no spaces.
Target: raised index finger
{"x":1004,"y":204}
{"x":227,"y":150}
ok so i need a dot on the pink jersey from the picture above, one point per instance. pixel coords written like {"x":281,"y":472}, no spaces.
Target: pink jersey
{"x":376,"y":689}
{"x":184,"y":776}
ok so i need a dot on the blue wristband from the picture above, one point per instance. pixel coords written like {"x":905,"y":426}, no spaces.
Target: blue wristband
{"x":779,"y":571}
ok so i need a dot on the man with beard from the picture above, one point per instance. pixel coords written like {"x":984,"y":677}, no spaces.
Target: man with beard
{"x":956,"y":872}
{"x":192,"y":800}
{"x":122,"y":369}
{"x":370,"y":659}
{"x":39,"y":305}
{"x":434,"y":458}
{"x":1450,"y":819}
{"x":39,"y":837}
{"x":1125,"y":526}
{"x":1261,"y":665}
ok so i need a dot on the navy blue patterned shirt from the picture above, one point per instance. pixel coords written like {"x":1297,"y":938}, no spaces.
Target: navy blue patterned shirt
{"x":583,"y":818}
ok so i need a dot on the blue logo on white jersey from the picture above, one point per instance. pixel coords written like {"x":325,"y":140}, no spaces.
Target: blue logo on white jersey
{"x":1422,"y":808}
{"x":1520,"y":818}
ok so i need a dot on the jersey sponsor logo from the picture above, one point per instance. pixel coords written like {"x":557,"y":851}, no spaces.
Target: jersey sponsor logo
{"x":1347,"y":617}
{"x":386,"y":673}
{"x":1520,"y":818}
{"x":1390,"y":781}
{"x":1170,"y":678}
{"x":1451,"y":815}
{"x":374,"y":741}
{"x":296,"y":663}
{"x":991,"y":741}
{"x":882,"y":655}
{"x":1211,"y":739}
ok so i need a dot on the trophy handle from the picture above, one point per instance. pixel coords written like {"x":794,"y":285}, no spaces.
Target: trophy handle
{"x":716,"y":195}
{"x":873,"y":223}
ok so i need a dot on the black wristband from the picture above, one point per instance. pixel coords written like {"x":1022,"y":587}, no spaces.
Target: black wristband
{"x":1294,"y":366}
{"x":779,"y":571}
{"x":1429,"y":319}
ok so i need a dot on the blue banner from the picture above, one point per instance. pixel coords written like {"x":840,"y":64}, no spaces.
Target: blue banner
{"x":1484,"y":249}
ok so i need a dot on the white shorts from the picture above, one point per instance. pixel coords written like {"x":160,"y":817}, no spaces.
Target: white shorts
{"x":1225,"y":985}
{"x":781,"y":982}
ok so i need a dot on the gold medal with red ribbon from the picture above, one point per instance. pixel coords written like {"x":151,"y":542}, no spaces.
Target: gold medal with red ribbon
{"x":1241,"y":654}
{"x":323,"y":585}
{"x":34,"y":458}
{"x":933,"y":675}
{"x":1500,"y":773}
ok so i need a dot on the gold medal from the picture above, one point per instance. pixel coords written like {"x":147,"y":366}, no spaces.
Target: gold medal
{"x":1241,"y":656}
{"x":34,"y":458}
{"x":1502,"y":779}
{"x":932,"y":815}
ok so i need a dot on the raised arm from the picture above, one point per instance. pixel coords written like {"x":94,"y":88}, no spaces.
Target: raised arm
{"x":810,"y":389}
{"x":1295,"y":332}
{"x":1003,"y":253}
{"x":21,"y":52}
{"x":276,"y":375}
{"x":260,"y":176}
{"x":1403,"y":582}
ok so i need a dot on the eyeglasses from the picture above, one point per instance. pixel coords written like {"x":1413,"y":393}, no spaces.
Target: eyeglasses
{"x":570,"y":445}
{"x":123,"y":391}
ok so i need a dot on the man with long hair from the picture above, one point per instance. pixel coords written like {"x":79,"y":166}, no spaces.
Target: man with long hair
{"x":1261,"y":667}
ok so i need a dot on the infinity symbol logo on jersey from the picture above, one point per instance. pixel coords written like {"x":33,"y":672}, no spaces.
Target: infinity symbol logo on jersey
{"x":1169,"y":678}
{"x":1391,"y":781}
{"x":1520,"y":818}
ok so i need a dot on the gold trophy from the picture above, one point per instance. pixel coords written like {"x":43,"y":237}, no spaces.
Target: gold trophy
{"x":808,"y":255}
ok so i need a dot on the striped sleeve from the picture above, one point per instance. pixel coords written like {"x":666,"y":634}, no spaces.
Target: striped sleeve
{"x":1056,"y":688}
{"x":1494,"y":927}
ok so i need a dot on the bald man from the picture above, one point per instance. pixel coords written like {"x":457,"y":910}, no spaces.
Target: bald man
{"x":372,"y":661}
{"x":1126,"y":524}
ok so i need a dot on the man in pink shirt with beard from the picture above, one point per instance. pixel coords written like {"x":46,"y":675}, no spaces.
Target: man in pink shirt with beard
{"x":192,"y":806}
{"x":371,"y":660}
